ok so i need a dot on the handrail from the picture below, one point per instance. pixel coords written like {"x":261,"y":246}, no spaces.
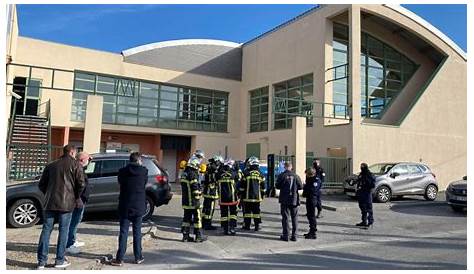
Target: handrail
{"x":337,"y":111}
{"x":11,"y":121}
{"x":335,"y":76}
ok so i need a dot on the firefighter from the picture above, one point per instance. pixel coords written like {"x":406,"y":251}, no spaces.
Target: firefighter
{"x":191,"y":195}
{"x":199,"y":154}
{"x":321,"y":175}
{"x":252,"y":190}
{"x":210,"y":191}
{"x":228,"y":199}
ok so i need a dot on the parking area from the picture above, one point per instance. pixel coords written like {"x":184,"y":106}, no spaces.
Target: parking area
{"x":409,"y":233}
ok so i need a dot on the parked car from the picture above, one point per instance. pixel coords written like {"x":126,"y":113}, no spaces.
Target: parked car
{"x":456,"y":194}
{"x":25,"y":200}
{"x":398,"y":179}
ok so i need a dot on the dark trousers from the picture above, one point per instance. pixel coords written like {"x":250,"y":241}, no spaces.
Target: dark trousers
{"x":137,"y":237}
{"x":208,"y":208}
{"x":365,"y":205}
{"x":76,"y":219}
{"x":228,"y":216}
{"x":289,"y":211}
{"x":191,"y":217}
{"x":252,"y":211}
{"x":319,"y":205}
{"x":64,"y":219}
{"x":311,"y":214}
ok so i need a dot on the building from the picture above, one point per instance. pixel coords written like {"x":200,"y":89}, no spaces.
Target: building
{"x":368,"y":83}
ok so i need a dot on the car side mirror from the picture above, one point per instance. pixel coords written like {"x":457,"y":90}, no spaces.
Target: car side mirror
{"x":394,"y":174}
{"x":464,"y":178}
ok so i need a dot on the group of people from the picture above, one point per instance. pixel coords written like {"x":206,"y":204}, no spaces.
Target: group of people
{"x":226,"y":184}
{"x":66,"y":190}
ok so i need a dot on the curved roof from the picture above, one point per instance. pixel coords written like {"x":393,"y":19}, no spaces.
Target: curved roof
{"x":429,"y":27}
{"x":215,"y":58}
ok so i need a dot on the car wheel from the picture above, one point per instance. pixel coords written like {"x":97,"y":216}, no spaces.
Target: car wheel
{"x":458,"y":208}
{"x":23,"y":213}
{"x":149,"y":208}
{"x":431,"y":192}
{"x":383,"y":194}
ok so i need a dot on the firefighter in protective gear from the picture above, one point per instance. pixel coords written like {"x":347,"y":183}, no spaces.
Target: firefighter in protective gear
{"x":210,"y":191}
{"x":191,"y":195}
{"x":252,"y":190}
{"x":228,"y":199}
{"x":199,"y":154}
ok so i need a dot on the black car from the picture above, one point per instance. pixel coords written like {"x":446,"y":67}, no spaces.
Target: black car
{"x":25,"y":200}
{"x":456,"y":194}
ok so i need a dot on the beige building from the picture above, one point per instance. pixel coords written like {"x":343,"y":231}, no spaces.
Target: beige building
{"x":368,"y":83}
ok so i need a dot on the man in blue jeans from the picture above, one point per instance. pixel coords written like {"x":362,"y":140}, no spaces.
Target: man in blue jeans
{"x":62,"y":182}
{"x":72,"y":246}
{"x":132,"y":180}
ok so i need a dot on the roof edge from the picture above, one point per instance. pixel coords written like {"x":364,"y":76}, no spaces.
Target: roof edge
{"x":406,"y":12}
{"x":179,"y":42}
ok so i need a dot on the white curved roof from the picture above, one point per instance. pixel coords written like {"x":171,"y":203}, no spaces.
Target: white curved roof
{"x":428,"y":26}
{"x":181,"y":42}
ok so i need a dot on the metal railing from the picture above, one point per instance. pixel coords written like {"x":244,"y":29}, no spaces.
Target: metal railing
{"x":310,"y":109}
{"x":339,"y":72}
{"x":27,"y":161}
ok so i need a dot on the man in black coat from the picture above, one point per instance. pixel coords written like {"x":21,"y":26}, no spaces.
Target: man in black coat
{"x":365,"y":185}
{"x":289,"y":183}
{"x":132,"y":206}
{"x":62,"y":183}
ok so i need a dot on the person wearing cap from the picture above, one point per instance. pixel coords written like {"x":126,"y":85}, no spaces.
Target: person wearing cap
{"x":310,"y":192}
{"x":252,"y":190}
{"x":228,"y":197}
{"x":364,"y":188}
{"x":210,"y":191}
{"x":321,"y":175}
{"x":190,"y":201}
{"x":72,"y":246}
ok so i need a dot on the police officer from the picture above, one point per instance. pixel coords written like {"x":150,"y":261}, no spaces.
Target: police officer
{"x":210,"y":191}
{"x":228,"y":199}
{"x":321,"y":175}
{"x":252,"y":189}
{"x":365,"y":185}
{"x":191,"y":194}
{"x":289,"y":183}
{"x":310,"y":192}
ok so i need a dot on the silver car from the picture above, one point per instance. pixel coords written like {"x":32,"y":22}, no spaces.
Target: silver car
{"x":398,"y":179}
{"x":456,"y":194}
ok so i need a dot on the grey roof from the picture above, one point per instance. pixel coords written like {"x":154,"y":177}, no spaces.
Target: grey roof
{"x":213,"y":58}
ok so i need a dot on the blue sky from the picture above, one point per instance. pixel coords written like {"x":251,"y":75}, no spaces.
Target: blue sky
{"x":118,"y":27}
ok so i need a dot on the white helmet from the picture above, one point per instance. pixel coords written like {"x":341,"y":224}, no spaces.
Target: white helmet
{"x":194,"y":162}
{"x":218,"y":158}
{"x":229,"y":163}
{"x":199,"y":154}
{"x":253,"y":161}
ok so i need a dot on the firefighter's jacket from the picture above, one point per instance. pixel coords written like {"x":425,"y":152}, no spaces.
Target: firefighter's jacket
{"x":191,"y":190}
{"x":227,"y":188}
{"x":252,"y":186}
{"x":210,"y":183}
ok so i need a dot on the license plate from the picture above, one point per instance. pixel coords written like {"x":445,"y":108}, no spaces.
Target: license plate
{"x":464,"y":199}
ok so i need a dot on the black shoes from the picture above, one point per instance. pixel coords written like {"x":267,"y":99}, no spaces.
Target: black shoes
{"x":284,"y":238}
{"x":310,"y":236}
{"x":200,"y":238}
{"x":293,"y":238}
{"x":186,"y":238}
{"x":361,"y":224}
{"x":319,"y":215}
{"x":364,"y":225}
{"x":232,"y":231}
{"x":257,"y":227}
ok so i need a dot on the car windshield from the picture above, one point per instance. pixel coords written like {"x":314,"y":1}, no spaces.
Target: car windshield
{"x":380,"y":169}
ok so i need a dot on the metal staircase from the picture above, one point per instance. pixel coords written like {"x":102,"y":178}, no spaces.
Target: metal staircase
{"x":28,"y":144}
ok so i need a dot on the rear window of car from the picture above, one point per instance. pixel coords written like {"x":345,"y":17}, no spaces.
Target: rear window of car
{"x":153,"y":169}
{"x":424,"y":168}
{"x":414,"y":169}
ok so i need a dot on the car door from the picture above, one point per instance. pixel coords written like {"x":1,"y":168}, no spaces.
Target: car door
{"x":400,"y":182}
{"x":93,"y":175}
{"x":417,"y":183}
{"x":108,"y":187}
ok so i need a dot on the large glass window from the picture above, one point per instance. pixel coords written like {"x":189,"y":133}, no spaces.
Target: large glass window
{"x":259,"y":109}
{"x":133,"y":102}
{"x":384,"y":72}
{"x":292,"y":98}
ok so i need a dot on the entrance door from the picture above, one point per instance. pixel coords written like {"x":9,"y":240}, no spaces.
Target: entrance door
{"x":169,"y":163}
{"x":30,"y":96}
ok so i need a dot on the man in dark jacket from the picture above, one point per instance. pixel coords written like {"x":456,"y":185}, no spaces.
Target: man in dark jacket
{"x":132,"y":205}
{"x":289,"y":183}
{"x":365,"y":185}
{"x":228,"y":197}
{"x":321,"y":175}
{"x":62,"y":183}
{"x":72,"y":245}
{"x":310,"y":192}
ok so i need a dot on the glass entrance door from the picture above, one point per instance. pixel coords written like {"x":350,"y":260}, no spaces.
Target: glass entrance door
{"x":32,"y":97}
